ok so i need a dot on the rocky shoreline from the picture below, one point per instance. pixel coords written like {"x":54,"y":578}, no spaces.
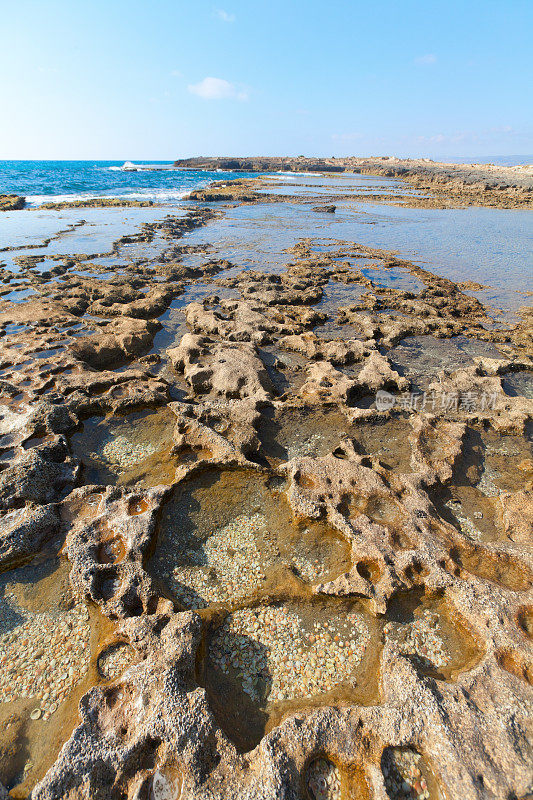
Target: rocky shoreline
{"x":297,"y":532}
{"x":451,"y":185}
{"x":11,"y":202}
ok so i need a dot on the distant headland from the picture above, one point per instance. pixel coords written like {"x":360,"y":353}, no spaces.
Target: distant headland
{"x":483,"y":184}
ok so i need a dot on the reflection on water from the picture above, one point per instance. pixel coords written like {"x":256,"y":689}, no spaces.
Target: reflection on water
{"x":488,"y":246}
{"x":100,"y":228}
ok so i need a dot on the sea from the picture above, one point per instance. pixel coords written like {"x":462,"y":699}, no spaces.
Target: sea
{"x":42,"y":181}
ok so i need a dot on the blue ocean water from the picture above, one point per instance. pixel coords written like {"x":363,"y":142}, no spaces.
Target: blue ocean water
{"x":40,"y":181}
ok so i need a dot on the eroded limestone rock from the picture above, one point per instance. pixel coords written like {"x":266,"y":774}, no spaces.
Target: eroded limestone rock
{"x":448,"y":608}
{"x":232,"y":371}
{"x":120,"y":340}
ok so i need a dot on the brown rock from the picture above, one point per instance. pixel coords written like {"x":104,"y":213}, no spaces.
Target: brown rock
{"x":121,"y":340}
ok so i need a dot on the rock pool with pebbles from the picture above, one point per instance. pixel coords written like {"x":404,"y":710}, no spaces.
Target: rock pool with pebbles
{"x":465,"y":524}
{"x":122,"y":453}
{"x":44,"y":656}
{"x":403,"y":772}
{"x":136,"y":448}
{"x":229,"y":565}
{"x":114,"y":659}
{"x":274,"y":658}
{"x":428,"y":629}
{"x":205,"y":557}
{"x":323,"y":780}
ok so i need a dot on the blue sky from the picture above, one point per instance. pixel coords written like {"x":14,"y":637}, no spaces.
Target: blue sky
{"x":132,"y":79}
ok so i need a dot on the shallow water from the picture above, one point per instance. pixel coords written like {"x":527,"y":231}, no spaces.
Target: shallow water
{"x":488,"y":246}
{"x":485,"y":245}
{"x":432,"y":634}
{"x":407,"y":774}
{"x":136,"y":448}
{"x":263,"y":662}
{"x":491,"y":465}
{"x":320,"y":185}
{"x":228,"y":536}
{"x":315,"y":431}
{"x":99,"y":228}
{"x":50,"y":642}
{"x":306,"y":431}
{"x":422,"y":358}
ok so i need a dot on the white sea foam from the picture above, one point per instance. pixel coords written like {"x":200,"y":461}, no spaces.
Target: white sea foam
{"x":127,"y":166}
{"x":37,"y":199}
{"x":170,"y":194}
{"x":155,"y":195}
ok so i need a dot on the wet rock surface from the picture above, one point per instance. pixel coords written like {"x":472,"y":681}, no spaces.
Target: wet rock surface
{"x":261,"y":537}
{"x":49,"y":640}
{"x":11,"y":202}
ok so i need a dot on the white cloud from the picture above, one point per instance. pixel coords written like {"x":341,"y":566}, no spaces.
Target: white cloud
{"x":427,"y":60}
{"x":217,"y":89}
{"x":223,"y":15}
{"x":176,"y":73}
